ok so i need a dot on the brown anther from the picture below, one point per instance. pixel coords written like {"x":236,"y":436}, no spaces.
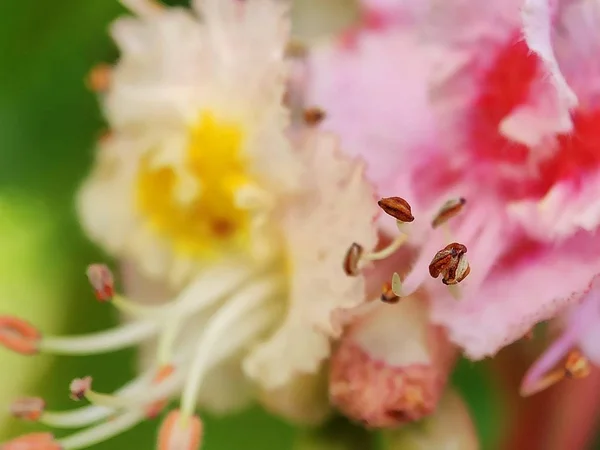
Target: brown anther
{"x":99,"y":78}
{"x":387,"y":295}
{"x":180,"y":433}
{"x":313,"y":116}
{"x":352,"y":259}
{"x":451,"y":263}
{"x":32,"y":441}
{"x":18,"y":335}
{"x":448,"y":210}
{"x":79,"y":387}
{"x":155,"y":408}
{"x":577,"y":365}
{"x":28,"y":408}
{"x":102,"y":281}
{"x":396,"y":207}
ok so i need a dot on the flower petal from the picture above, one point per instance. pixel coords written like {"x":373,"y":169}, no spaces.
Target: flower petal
{"x":537,"y":28}
{"x":576,"y":46}
{"x":567,"y":208}
{"x":338,"y":208}
{"x":379,"y":116}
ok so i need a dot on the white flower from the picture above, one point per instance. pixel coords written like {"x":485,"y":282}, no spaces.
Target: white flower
{"x":204,"y":195}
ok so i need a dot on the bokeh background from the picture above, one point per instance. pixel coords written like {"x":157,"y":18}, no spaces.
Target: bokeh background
{"x":49,"y":122}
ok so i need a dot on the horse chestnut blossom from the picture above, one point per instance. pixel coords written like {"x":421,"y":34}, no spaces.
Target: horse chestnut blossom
{"x":200,"y":190}
{"x":493,"y":106}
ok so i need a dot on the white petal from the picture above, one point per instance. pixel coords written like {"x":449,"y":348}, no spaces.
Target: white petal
{"x":337,"y":209}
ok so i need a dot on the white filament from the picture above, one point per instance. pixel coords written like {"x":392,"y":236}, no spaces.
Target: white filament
{"x":217,"y":332}
{"x":102,"y":432}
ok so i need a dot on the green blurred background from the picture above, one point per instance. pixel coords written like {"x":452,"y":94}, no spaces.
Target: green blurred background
{"x":49,"y":122}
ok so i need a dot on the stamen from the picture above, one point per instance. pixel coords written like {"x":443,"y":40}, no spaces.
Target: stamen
{"x":313,"y":116}
{"x":30,"y":408}
{"x":451,"y":263}
{"x":179,"y":432}
{"x":417,"y":274}
{"x":577,"y":365}
{"x":574,"y":366}
{"x":387,"y":294}
{"x":102,"y":432}
{"x":99,"y":78}
{"x":155,"y":408}
{"x":101,"y":342}
{"x":387,"y":251}
{"x":353,"y":256}
{"x":102,"y":281}
{"x":397,"y":207}
{"x":448,"y":210}
{"x":79,"y":388}
{"x":82,"y":388}
{"x":217,"y":330}
{"x":190,"y":301}
{"x":19,"y":336}
{"x":32,"y":441}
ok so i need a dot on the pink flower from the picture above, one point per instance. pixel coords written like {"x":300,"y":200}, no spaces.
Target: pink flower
{"x":493,"y":123}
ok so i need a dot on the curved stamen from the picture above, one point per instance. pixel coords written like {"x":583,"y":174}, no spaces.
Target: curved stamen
{"x":387,"y":251}
{"x":419,"y":271}
{"x":102,"y":432}
{"x":206,"y":290}
{"x":102,"y":281}
{"x":203,"y":292}
{"x":142,"y":392}
{"x":101,"y":342}
{"x":534,"y":380}
{"x":19,"y":336}
{"x":216,"y":332}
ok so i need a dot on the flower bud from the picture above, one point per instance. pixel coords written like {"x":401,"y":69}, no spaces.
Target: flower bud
{"x":391,"y":366}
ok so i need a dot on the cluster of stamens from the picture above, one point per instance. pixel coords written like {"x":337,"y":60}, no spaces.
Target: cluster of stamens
{"x":450,"y":262}
{"x":179,"y":431}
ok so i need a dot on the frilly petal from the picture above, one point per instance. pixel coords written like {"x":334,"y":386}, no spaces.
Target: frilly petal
{"x":380,"y":116}
{"x":537,"y":30}
{"x":566,"y":209}
{"x":577,"y":45}
{"x":338,"y":208}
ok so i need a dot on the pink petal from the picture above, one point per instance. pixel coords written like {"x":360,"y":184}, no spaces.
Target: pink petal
{"x":537,"y":28}
{"x":569,"y":207}
{"x":375,"y":96}
{"x":577,"y":46}
{"x":518,"y":295}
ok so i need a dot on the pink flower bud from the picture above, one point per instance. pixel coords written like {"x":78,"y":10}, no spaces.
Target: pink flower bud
{"x":391,"y":366}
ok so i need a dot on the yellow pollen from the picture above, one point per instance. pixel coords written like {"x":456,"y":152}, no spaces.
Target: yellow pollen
{"x":193,"y":207}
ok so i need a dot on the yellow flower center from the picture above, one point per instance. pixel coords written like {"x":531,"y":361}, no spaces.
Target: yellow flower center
{"x":194,"y":206}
